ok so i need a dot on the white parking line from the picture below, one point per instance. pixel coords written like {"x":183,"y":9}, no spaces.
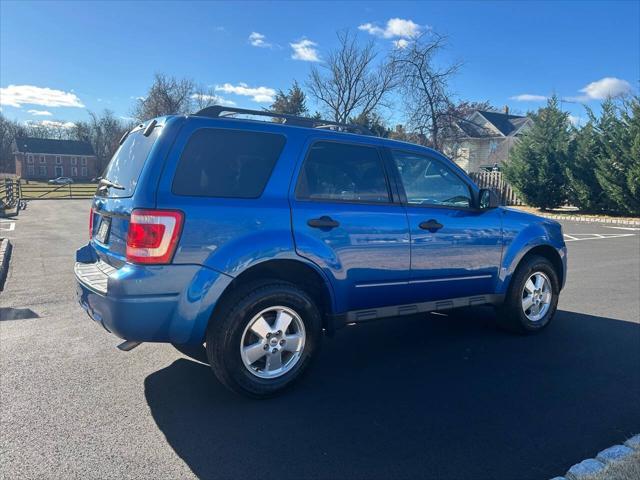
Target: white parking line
{"x":7,"y":226}
{"x":577,"y":237}
{"x":635,"y":229}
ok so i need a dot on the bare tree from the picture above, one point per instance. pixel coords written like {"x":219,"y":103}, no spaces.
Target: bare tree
{"x":350,"y":84}
{"x":203,"y":97}
{"x":167,"y":96}
{"x":425,"y":86}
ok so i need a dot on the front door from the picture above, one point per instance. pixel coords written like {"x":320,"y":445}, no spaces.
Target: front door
{"x":347,"y":221}
{"x":456,"y":249}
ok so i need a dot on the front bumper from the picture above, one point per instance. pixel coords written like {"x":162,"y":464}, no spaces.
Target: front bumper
{"x":163,"y":303}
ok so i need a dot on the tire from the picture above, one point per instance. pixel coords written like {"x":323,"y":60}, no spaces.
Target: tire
{"x":512,"y":315}
{"x":236,"y":332}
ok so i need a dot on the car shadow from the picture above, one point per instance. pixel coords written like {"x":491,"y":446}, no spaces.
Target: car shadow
{"x":430,"y":397}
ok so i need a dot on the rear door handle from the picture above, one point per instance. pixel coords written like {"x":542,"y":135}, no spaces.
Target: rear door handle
{"x":323,"y":222}
{"x":431,"y":225}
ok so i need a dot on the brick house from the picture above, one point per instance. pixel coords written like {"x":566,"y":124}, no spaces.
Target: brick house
{"x":487,"y":139}
{"x":44,"y":158}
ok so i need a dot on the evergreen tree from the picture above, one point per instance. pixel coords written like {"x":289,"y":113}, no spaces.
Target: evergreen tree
{"x":373,"y":122}
{"x":538,"y":161}
{"x":615,"y":164}
{"x":292,"y":102}
{"x":632,"y":117}
{"x":584,"y":190}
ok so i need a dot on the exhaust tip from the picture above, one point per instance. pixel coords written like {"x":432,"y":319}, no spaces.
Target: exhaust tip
{"x":128,"y":345}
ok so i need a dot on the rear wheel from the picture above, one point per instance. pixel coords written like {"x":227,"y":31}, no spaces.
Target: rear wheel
{"x":262,"y":340}
{"x":532,"y":298}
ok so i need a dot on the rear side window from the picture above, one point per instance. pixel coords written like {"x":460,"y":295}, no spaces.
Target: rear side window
{"x":227,"y":163}
{"x":126,"y":164}
{"x":343,"y":172}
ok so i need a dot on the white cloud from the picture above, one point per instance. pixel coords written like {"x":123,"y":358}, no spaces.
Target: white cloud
{"x":43,"y":113}
{"x":51,"y":123}
{"x":528,"y":97}
{"x":305,"y":50}
{"x":401,"y":43}
{"x":213,"y":99}
{"x":606,"y":87}
{"x":258,"y":40}
{"x":575,"y":120}
{"x":257,"y":94}
{"x":395,"y":28}
{"x":18,"y":95}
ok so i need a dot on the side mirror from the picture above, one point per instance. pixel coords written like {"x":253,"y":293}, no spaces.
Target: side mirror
{"x":488,"y":199}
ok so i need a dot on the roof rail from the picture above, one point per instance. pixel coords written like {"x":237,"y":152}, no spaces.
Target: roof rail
{"x":218,"y":111}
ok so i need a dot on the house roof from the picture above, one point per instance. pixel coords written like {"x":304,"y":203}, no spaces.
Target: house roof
{"x":506,"y":124}
{"x":55,"y":147}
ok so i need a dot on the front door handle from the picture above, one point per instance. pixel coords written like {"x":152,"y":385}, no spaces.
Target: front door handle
{"x":323,"y":222}
{"x":431,"y":225}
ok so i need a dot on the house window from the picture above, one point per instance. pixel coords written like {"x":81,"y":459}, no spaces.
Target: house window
{"x":58,"y":161}
{"x":31,"y":170}
{"x":42,"y":159}
{"x":43,"y":170}
{"x":30,"y":159}
{"x":84,"y":171}
{"x":84,"y":160}
{"x":59,"y":171}
{"x":493,"y":146}
{"x":74,"y":161}
{"x":74,"y":171}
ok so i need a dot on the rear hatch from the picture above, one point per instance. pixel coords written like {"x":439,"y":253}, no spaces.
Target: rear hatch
{"x":118,"y":193}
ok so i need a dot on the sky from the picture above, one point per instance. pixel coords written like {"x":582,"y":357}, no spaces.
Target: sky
{"x":58,"y":60}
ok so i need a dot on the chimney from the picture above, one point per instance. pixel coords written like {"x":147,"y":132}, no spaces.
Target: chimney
{"x":506,"y":109}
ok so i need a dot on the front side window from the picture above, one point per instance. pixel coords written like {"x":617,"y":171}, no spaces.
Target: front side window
{"x":227,"y":163}
{"x":343,"y":172}
{"x":429,"y":182}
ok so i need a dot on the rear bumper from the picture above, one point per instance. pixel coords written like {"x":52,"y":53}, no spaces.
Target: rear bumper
{"x":164,"y":303}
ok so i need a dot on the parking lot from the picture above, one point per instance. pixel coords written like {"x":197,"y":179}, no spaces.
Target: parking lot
{"x":434,"y":396}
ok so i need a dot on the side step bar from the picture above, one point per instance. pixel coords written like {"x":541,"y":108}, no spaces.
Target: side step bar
{"x":128,"y":345}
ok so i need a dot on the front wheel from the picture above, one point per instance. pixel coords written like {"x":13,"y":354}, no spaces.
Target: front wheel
{"x":532,"y":298}
{"x":263,"y":339}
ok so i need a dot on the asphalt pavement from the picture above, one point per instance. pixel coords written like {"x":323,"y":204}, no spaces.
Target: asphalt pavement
{"x":434,"y":396}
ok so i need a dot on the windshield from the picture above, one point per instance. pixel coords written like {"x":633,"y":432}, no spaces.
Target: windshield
{"x":126,"y":164}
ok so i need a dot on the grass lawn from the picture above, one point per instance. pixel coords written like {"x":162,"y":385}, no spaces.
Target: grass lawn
{"x":34,"y":190}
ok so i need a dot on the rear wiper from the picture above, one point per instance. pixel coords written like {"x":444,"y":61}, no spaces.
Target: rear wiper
{"x":104,"y":184}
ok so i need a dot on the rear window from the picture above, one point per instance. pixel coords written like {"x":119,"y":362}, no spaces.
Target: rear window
{"x":126,"y":164}
{"x":227,"y":163}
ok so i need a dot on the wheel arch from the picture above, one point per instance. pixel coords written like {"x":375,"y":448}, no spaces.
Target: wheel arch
{"x":543,"y":250}
{"x":298,"y":272}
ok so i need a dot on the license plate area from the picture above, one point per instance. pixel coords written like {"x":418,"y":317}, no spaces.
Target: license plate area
{"x":103,"y":230}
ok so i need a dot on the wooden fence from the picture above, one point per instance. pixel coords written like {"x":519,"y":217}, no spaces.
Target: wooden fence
{"x":496,"y":181}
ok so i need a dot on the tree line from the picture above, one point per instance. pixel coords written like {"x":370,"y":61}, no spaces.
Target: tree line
{"x":595,"y":168}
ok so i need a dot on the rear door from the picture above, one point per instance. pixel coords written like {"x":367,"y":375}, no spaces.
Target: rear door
{"x":455,"y":248}
{"x":347,"y":220}
{"x":112,"y":206}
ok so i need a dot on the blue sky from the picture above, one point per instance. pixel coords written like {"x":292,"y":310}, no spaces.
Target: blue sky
{"x":58,"y":59}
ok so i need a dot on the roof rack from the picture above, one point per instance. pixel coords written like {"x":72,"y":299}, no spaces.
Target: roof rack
{"x":219,"y":111}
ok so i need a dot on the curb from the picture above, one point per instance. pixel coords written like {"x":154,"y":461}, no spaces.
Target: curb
{"x":586,"y":469}
{"x":5,"y":256}
{"x":584,"y":219}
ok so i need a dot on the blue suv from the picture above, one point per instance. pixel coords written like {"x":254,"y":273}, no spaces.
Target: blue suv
{"x":252,"y":237}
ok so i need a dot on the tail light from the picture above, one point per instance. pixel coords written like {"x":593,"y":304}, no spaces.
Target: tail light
{"x":153,"y":235}
{"x":90,"y":223}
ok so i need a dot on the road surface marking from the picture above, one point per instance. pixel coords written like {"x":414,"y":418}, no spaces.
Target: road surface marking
{"x":7,"y":226}
{"x":635,"y":229}
{"x":577,"y":237}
